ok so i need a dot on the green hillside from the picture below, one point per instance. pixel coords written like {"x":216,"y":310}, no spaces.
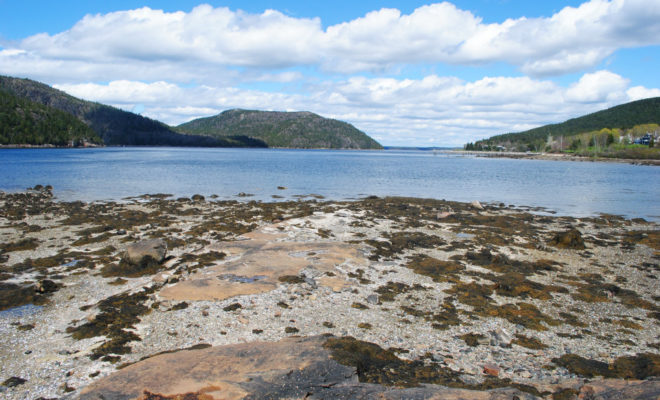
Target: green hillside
{"x":282,"y":129}
{"x":112,"y":125}
{"x":617,"y":120}
{"x":24,"y":122}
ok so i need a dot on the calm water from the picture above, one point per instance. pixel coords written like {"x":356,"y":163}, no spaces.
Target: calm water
{"x":569,"y":188}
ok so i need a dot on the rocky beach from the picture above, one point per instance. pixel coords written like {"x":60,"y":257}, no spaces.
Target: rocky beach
{"x":387,"y":298}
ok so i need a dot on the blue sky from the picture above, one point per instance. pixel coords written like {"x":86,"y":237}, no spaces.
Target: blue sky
{"x":406,"y":72}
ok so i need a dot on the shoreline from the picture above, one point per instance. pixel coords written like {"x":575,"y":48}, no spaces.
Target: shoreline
{"x":483,"y":299}
{"x":551,"y":157}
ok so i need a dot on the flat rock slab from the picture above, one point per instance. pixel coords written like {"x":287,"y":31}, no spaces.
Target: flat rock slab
{"x":254,"y":265}
{"x":289,"y":369}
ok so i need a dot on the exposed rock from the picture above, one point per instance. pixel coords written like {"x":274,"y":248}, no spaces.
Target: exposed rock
{"x":500,"y":337}
{"x":290,"y":368}
{"x":154,"y":248}
{"x":477,"y":205}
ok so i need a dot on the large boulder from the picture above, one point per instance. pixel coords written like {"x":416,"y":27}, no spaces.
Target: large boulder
{"x":146,"y":251}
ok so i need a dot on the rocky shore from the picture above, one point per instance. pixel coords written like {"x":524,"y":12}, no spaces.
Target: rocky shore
{"x":552,"y":157}
{"x":160,"y":298}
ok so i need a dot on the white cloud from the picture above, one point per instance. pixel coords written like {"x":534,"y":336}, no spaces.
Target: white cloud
{"x":184,"y":65}
{"x":598,"y":87}
{"x":433,"y":110}
{"x":147,"y":44}
{"x":640,"y":92}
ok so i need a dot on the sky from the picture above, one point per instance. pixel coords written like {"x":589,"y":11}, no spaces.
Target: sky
{"x":408,"y":73}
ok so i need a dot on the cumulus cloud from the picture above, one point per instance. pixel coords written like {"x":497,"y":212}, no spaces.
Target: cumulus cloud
{"x":153,"y":45}
{"x":640,"y":92}
{"x":598,"y":87}
{"x":177,"y":66}
{"x":433,"y":110}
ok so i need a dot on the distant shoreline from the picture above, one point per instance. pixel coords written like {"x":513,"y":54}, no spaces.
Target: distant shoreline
{"x":550,"y":157}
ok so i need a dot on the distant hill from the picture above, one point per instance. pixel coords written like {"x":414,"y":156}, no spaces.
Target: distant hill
{"x":622,"y":117}
{"x":282,"y":129}
{"x":113,"y":126}
{"x":24,"y":122}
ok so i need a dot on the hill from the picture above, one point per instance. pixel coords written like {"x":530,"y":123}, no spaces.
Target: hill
{"x":24,"y":122}
{"x":617,"y":119}
{"x":282,"y":129}
{"x":112,"y":125}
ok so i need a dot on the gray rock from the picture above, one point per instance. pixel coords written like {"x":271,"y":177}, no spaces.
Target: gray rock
{"x":372,"y":299}
{"x":500,"y":337}
{"x":154,"y":248}
{"x":475,"y":204}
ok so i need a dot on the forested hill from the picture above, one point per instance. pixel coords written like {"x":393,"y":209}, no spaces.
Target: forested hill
{"x":283,"y":129}
{"x":24,"y":122}
{"x":621,"y":117}
{"x":112,"y":125}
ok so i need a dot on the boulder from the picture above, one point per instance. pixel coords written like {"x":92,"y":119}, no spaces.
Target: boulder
{"x":476,"y":205}
{"x":143,"y":251}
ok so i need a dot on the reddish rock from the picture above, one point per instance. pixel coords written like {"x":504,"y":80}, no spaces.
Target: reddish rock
{"x":491,"y":369}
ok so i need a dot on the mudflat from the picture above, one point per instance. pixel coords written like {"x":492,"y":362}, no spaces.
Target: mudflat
{"x":376,"y":298}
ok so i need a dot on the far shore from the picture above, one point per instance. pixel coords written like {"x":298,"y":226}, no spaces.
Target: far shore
{"x":550,"y":156}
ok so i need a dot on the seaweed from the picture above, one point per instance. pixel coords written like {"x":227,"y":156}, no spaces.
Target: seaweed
{"x":232,"y":307}
{"x":400,"y":241}
{"x":21,"y":245}
{"x":640,"y":366}
{"x":14,"y":295}
{"x":291,"y":279}
{"x":473,"y":339}
{"x":377,"y":365}
{"x":117,"y":314}
{"x":439,"y":271}
{"x":571,"y":239}
{"x":530,"y":343}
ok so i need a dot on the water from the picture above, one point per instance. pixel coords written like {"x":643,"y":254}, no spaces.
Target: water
{"x":565,"y":187}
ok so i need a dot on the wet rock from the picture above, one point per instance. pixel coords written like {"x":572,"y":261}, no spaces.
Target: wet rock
{"x":198,"y":197}
{"x":154,"y":249}
{"x":571,"y":239}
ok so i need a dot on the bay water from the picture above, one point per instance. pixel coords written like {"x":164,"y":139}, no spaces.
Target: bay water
{"x":114,"y":173}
